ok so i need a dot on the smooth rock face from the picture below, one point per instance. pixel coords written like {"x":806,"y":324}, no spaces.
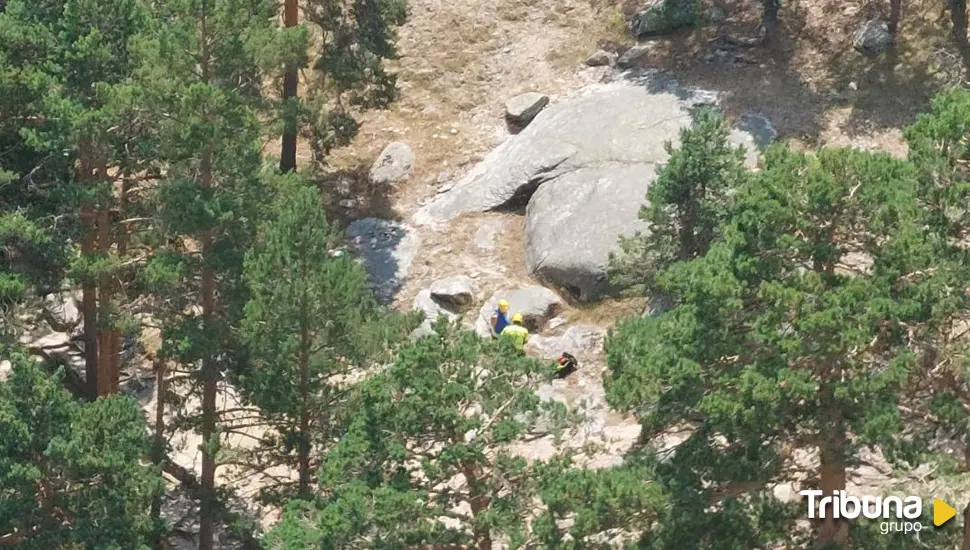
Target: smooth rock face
{"x":455,"y":292}
{"x":663,"y":16}
{"x":583,"y":167}
{"x":393,"y":164}
{"x":537,"y":304}
{"x":872,"y":37}
{"x":386,"y":249}
{"x":521,"y":109}
{"x":572,"y":221}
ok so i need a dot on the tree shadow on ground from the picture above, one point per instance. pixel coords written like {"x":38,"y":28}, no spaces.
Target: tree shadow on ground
{"x":349,"y":195}
{"x":808,"y":80}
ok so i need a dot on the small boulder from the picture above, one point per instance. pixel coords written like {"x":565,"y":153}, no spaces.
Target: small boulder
{"x":62,"y":311}
{"x":537,"y":304}
{"x":455,"y":293}
{"x":521,"y":109}
{"x":393,"y":164}
{"x":872,"y":37}
{"x":601,"y":58}
{"x":633,"y":56}
{"x":431,"y":308}
{"x":663,"y":16}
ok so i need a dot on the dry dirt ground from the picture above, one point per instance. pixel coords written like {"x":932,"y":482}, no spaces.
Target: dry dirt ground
{"x":460,"y":60}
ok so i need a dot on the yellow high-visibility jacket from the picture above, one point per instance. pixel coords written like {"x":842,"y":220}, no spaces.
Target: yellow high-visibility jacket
{"x":519,"y":335}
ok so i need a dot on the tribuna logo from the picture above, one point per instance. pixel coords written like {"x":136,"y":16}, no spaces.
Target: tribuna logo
{"x":841,"y":505}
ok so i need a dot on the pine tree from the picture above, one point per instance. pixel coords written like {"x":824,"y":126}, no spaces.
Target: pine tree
{"x":450,"y":405}
{"x":353,"y":39}
{"x":310,"y":321}
{"x":939,"y":148}
{"x":71,"y":472}
{"x":685,"y":205}
{"x":940,"y":403}
{"x":201,"y":73}
{"x":799,"y":328}
{"x":72,"y":53}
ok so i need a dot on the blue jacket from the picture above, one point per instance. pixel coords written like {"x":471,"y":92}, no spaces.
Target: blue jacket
{"x":501,"y":321}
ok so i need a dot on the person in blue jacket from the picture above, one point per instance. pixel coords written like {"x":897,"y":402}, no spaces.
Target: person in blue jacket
{"x":500,"y":319}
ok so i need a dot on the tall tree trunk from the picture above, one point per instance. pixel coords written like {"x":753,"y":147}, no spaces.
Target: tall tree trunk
{"x":89,"y":298}
{"x":209,"y":372}
{"x":304,"y":451}
{"x":209,"y":381}
{"x":117,"y":284}
{"x":158,"y":444}
{"x":958,"y":16}
{"x":895,"y":14}
{"x":479,"y":501}
{"x":769,"y":18}
{"x":833,"y":476}
{"x":105,"y":334}
{"x":290,"y":87}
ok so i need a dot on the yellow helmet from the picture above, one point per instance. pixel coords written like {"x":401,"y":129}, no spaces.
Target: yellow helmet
{"x":517,"y":318}
{"x":503,"y":306}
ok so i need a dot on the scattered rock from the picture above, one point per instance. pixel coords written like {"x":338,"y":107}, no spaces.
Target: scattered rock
{"x":872,"y":37}
{"x":662,"y":17}
{"x":521,"y":109}
{"x":424,"y":329}
{"x":537,"y":304}
{"x":62,"y":311}
{"x":393,"y":164}
{"x":785,"y":492}
{"x":456,"y":292}
{"x":348,"y":203}
{"x":632,"y":56}
{"x":601,"y":58}
{"x":723,"y":55}
{"x":6,"y":369}
{"x":583,"y":169}
{"x":387,"y":249}
{"x":557,"y":322}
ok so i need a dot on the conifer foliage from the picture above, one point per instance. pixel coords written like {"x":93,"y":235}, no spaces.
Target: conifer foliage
{"x":800,"y":328}
{"x":450,"y":405}
{"x":70,"y":472}
{"x":685,"y":204}
{"x":310,"y":320}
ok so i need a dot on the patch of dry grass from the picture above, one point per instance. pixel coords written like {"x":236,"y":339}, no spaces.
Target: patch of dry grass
{"x":605,"y":313}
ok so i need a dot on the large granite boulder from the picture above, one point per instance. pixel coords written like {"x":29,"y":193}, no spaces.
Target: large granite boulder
{"x":582,"y":169}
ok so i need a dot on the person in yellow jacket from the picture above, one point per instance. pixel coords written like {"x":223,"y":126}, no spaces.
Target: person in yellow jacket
{"x":517,"y":332}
